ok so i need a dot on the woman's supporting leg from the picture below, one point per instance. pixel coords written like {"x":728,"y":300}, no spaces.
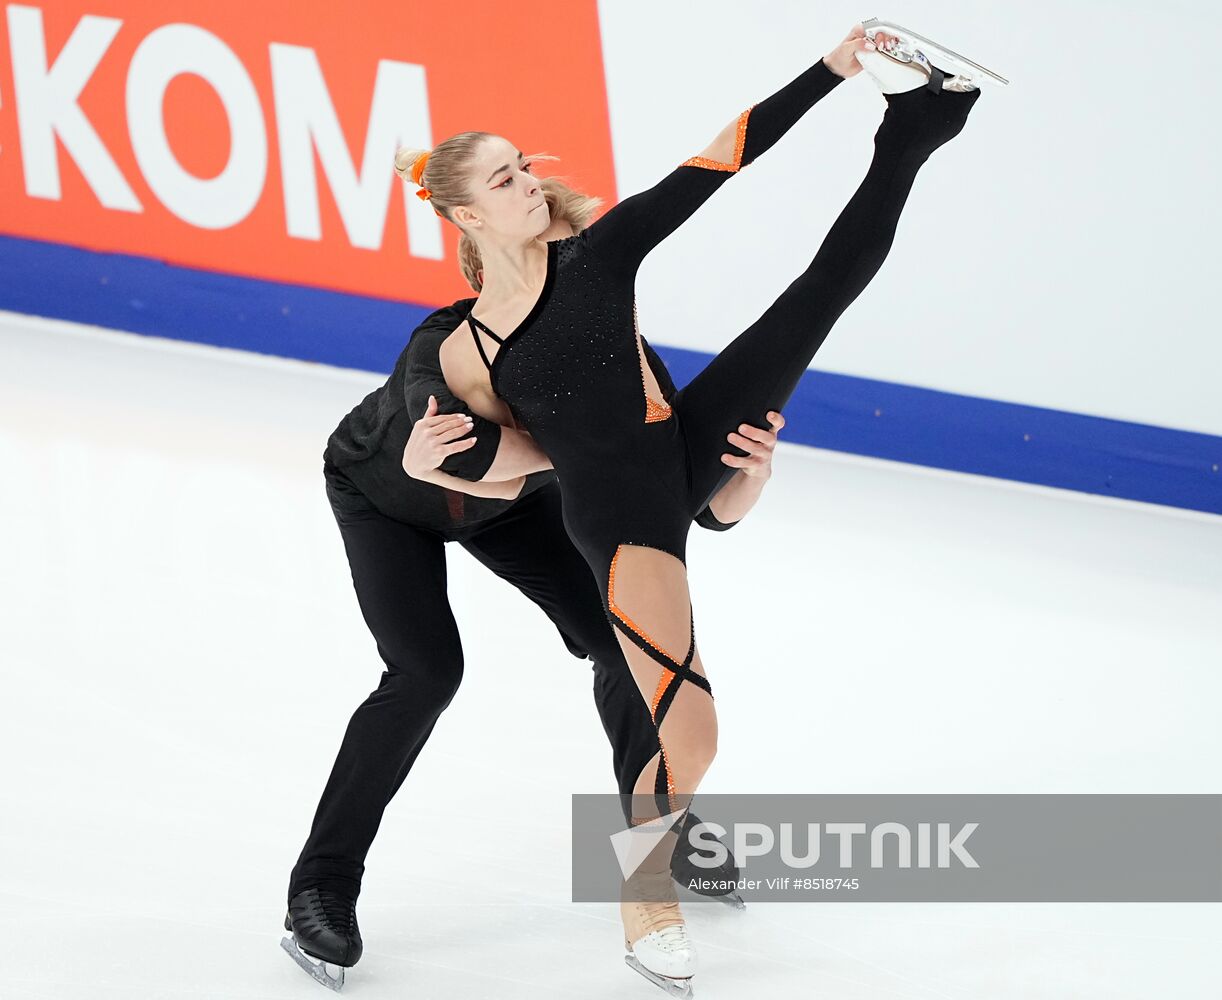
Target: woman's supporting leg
{"x":760,"y":368}
{"x":399,"y":573}
{"x":529,"y":547}
{"x":648,"y":603}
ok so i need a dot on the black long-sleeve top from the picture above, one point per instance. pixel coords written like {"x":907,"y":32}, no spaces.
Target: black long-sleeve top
{"x":368,"y":444}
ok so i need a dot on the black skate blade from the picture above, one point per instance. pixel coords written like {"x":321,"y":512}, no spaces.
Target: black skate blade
{"x":318,"y":970}
{"x":681,"y":988}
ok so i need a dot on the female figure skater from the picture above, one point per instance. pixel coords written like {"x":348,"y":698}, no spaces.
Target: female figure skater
{"x":394,"y":530}
{"x":556,"y":346}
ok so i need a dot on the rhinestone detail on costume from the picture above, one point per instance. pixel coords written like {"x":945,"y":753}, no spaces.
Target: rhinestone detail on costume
{"x":740,"y":139}
{"x":663,"y":681}
{"x":654,"y":410}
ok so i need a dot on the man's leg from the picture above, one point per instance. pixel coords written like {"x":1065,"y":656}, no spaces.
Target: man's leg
{"x":399,"y":573}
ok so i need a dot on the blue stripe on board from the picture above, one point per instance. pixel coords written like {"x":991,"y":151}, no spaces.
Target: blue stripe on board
{"x":989,"y":437}
{"x":903,"y":423}
{"x":149,"y":296}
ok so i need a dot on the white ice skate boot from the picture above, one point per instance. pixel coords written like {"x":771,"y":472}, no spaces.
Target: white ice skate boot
{"x":664,"y":954}
{"x":655,"y":934}
{"x":908,"y":60}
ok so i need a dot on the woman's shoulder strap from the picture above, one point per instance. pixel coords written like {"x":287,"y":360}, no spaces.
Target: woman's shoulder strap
{"x":472,"y":322}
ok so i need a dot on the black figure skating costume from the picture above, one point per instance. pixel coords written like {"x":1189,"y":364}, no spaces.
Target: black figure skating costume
{"x":633,"y":471}
{"x":394,"y":530}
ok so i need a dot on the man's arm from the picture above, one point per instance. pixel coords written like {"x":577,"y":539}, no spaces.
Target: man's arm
{"x":731,"y":503}
{"x":507,"y":490}
{"x":490,"y":452}
{"x":517,"y":455}
{"x":437,"y":436}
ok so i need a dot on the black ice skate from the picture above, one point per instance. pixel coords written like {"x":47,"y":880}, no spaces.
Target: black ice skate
{"x":326,"y":939}
{"x":690,"y":876}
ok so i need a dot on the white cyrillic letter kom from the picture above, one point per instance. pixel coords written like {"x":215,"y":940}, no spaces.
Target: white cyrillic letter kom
{"x":306,"y":119}
{"x":209,"y":203}
{"x":46,"y":106}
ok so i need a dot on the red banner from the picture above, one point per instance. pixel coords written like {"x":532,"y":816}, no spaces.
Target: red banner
{"x":258,"y":138}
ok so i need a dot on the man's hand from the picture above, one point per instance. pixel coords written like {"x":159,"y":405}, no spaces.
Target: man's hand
{"x":433,"y":440}
{"x":758,"y":444}
{"x":731,"y":503}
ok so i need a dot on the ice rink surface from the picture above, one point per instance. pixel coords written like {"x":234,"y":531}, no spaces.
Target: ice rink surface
{"x":181,"y":651}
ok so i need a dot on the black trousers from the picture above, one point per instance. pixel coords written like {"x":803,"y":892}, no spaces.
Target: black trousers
{"x":399,"y":572}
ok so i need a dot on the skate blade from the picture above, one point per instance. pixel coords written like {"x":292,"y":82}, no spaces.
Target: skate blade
{"x":318,"y":970}
{"x":932,"y":49}
{"x":675,"y":987}
{"x":733,"y":900}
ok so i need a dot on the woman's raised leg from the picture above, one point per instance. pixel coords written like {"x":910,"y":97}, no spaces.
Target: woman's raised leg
{"x":760,"y":368}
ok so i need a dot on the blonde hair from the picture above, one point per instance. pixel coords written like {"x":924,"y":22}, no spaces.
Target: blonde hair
{"x":445,"y":176}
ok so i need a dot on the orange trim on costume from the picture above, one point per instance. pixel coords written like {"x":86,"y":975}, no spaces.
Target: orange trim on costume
{"x":670,"y":779}
{"x":661,"y":688}
{"x":663,"y":680}
{"x":740,"y":140}
{"x":654,"y":410}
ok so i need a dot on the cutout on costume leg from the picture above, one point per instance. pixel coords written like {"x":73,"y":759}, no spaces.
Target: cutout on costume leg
{"x":643,"y":583}
{"x":640,"y":581}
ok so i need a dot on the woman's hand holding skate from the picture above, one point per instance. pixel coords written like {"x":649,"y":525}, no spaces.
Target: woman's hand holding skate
{"x":842,"y":60}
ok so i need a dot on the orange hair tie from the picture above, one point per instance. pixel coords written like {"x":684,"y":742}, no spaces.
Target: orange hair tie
{"x":418,"y":172}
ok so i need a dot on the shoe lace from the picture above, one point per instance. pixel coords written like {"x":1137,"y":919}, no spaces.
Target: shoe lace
{"x":673,"y":938}
{"x":339,"y":913}
{"x":662,"y":918}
